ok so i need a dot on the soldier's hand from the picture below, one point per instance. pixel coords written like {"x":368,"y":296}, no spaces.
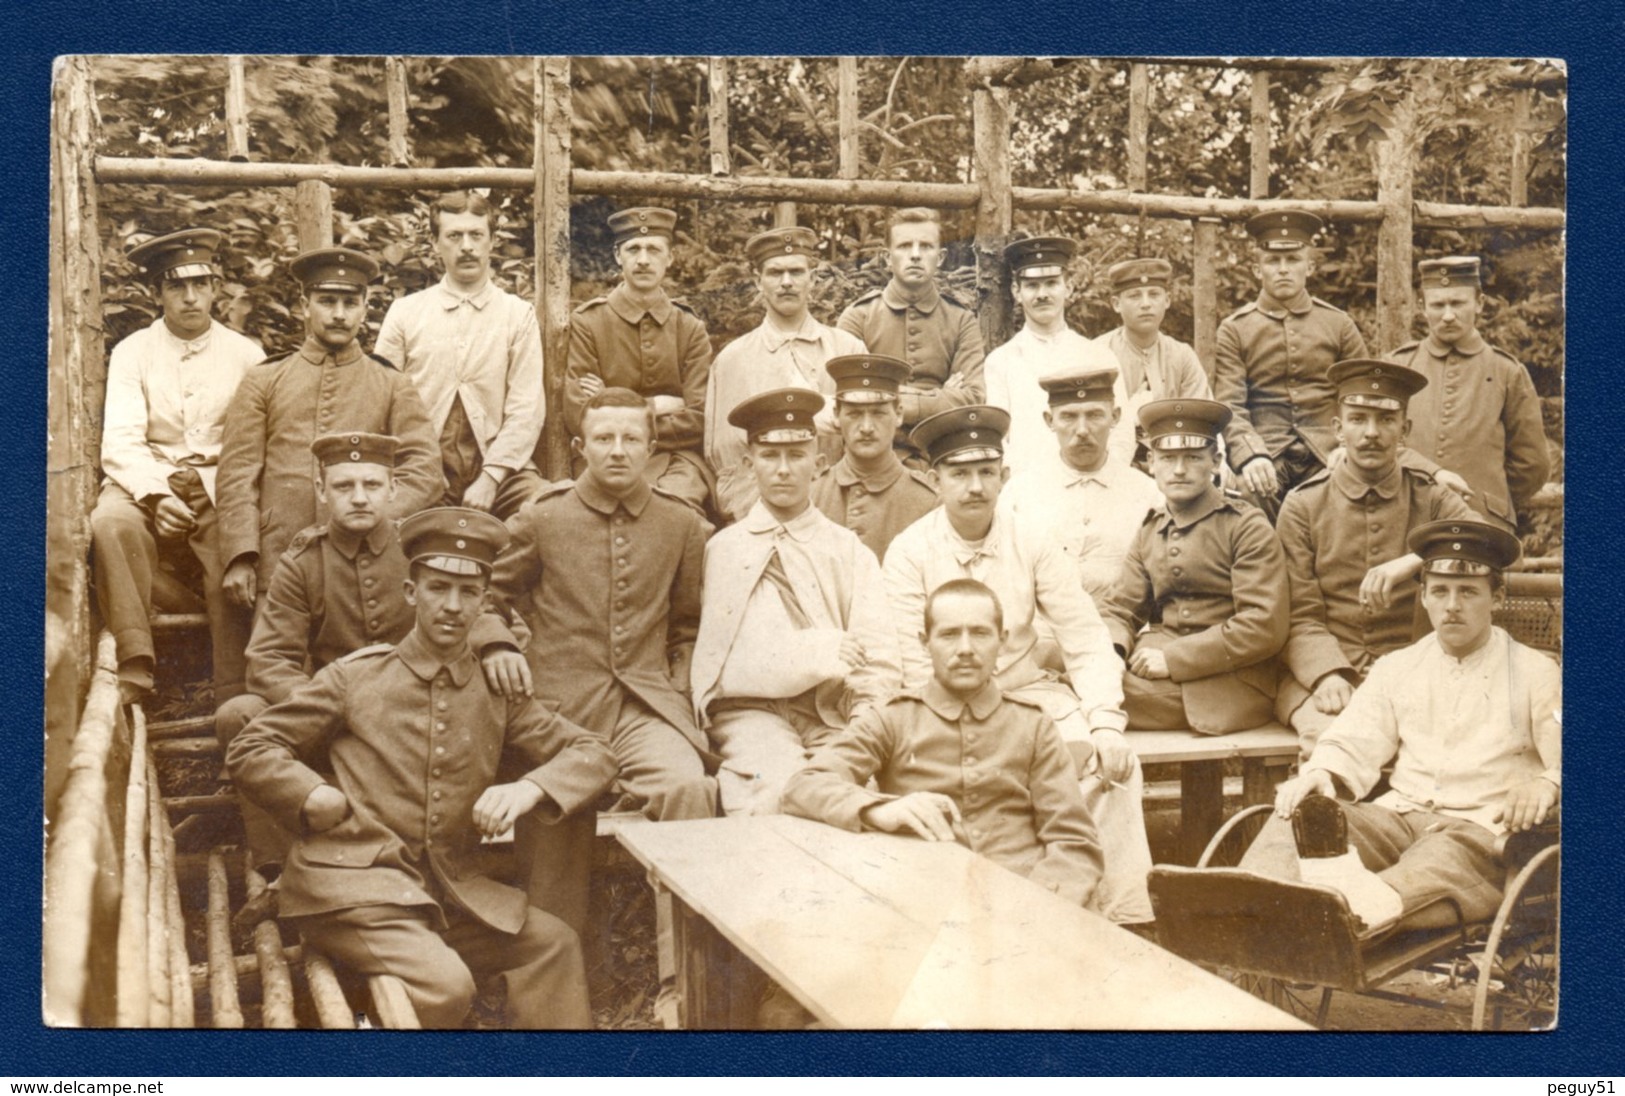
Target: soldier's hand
{"x":930,"y":815}
{"x":1528,"y":804}
{"x":1258,"y":475}
{"x":1332,"y":694}
{"x":1114,"y":758}
{"x":1444,"y":477}
{"x":1379,"y":584}
{"x":173,"y":517}
{"x":1290,"y":794}
{"x":325,"y":807}
{"x":852,"y":654}
{"x":239,"y":583}
{"x":1149,"y":662}
{"x":506,"y":672}
{"x":500,"y":806}
{"x":481,"y":493}
{"x":666,"y":405}
{"x":591,"y":385}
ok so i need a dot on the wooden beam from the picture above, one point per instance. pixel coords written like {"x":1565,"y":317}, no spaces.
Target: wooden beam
{"x":225,"y":1005}
{"x":400,"y":151}
{"x":784,"y":214}
{"x":1259,"y":182}
{"x":134,"y":993}
{"x":990,"y":123}
{"x":1205,"y":290}
{"x":717,"y":115}
{"x":1395,"y":305}
{"x":1520,"y":146}
{"x":846,"y":98}
{"x":551,"y":198}
{"x":313,"y":214}
{"x":236,"y":110}
{"x":1139,"y":124}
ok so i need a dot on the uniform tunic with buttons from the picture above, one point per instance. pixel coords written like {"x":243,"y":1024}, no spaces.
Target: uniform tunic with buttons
{"x":1270,"y":367}
{"x":1479,"y":417}
{"x":267,"y":483}
{"x":876,"y":507}
{"x":1001,"y":759}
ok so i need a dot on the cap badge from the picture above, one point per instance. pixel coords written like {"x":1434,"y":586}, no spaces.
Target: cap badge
{"x":1455,"y":528}
{"x":788,"y":247}
{"x":643,"y":216}
{"x":1374,"y":384}
{"x":1179,"y":408}
{"x":789,"y":416}
{"x":1144,"y":278}
{"x":643,"y":230}
{"x":866,"y":381}
{"x":1179,"y":424}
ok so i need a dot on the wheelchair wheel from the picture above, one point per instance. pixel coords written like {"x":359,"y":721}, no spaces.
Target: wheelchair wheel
{"x":1517,"y":978}
{"x":1227,"y":846}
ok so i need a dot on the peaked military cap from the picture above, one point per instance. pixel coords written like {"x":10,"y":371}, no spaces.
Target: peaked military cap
{"x":1090,"y":386}
{"x":1451,"y":270}
{"x":1463,"y":547}
{"x":1286,"y":230}
{"x":629,"y":224}
{"x":1367,"y":382}
{"x":188,"y":253}
{"x":455,"y":539}
{"x":334,"y":268}
{"x":782,"y":416}
{"x":1133,"y":273}
{"x":1039,"y":256}
{"x":1183,"y":423}
{"x":355,"y":448}
{"x":963,"y":435}
{"x":866,"y":378}
{"x":781,"y":241}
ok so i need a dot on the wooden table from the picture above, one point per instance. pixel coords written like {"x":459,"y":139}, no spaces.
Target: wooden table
{"x":876,"y":931}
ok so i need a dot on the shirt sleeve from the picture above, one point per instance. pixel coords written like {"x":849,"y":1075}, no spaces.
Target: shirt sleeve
{"x":1230,"y":388}
{"x":264,"y":760}
{"x":833,"y":787}
{"x":281,"y":640}
{"x":242,"y":469}
{"x":1311,"y":650}
{"x":524,"y":407}
{"x":1072,"y":863}
{"x":1092,"y":666}
{"x":1129,"y":605}
{"x":1546,"y":715}
{"x":419,"y":479}
{"x":1528,"y":462}
{"x":1365,"y":735}
{"x":391,"y":342}
{"x":581,"y":362}
{"x":127,"y":459}
{"x":880,"y":677}
{"x":1189,"y":378}
{"x":685,"y":429}
{"x":964,"y":384}
{"x":1350,"y":343}
{"x":904,"y":574}
{"x":1257,"y":628}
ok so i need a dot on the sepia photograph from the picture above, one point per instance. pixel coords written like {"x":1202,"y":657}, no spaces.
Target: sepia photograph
{"x":768,"y":543}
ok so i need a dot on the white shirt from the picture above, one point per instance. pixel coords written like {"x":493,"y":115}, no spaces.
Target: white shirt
{"x":166,"y":404}
{"x":1169,"y":370}
{"x":1012,"y":373}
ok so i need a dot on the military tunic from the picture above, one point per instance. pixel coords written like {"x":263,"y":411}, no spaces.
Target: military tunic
{"x":1001,"y":759}
{"x":875,"y":507}
{"x":1479,"y":417}
{"x":1213,"y":588}
{"x":267,"y":482}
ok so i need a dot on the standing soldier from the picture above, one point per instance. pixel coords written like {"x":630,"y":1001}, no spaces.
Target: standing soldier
{"x":1271,"y":360}
{"x":869,"y":490}
{"x":787,"y":350}
{"x":475,"y":354}
{"x":267,"y":474}
{"x":168,"y":386}
{"x":911,"y":320}
{"x":637,"y":337}
{"x":1479,"y":417}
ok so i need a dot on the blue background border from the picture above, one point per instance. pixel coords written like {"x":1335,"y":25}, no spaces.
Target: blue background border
{"x":1588,"y":1041}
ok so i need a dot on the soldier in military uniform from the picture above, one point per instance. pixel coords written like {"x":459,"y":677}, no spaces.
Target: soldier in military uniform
{"x":911,"y":320}
{"x":637,"y":337}
{"x":869,"y":490}
{"x":1271,"y":359}
{"x":267,"y":484}
{"x":384,"y":876}
{"x":1205,"y":573}
{"x":1343,"y":532}
{"x":1480,"y":416}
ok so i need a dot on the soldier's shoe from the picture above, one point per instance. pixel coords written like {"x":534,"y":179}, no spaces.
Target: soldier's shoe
{"x":1326,"y":859}
{"x":262,"y":907}
{"x":1319,"y":828}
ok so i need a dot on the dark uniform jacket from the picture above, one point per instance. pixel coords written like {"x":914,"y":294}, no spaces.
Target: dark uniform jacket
{"x":1001,"y":759}
{"x":1479,"y":417}
{"x":1270,"y":366}
{"x":266,"y":489}
{"x":1214,"y":591}
{"x":876,"y":507}
{"x":611,"y":591}
{"x":413,"y":743}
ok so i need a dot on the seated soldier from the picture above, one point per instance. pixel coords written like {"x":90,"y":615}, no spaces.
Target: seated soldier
{"x":1206,"y":573}
{"x":383,"y":876}
{"x":957,"y":760}
{"x":336,"y":589}
{"x":1470,"y":720}
{"x":795,"y":639}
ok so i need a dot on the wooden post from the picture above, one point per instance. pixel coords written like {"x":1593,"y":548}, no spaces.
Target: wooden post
{"x":1395,"y":306}
{"x":313,"y":214}
{"x":784,"y":214}
{"x":717,"y":70}
{"x":990,"y":122}
{"x":75,"y":387}
{"x":1260,"y":184}
{"x":400,"y":151}
{"x":236,"y":110}
{"x":551,"y":202}
{"x":846,"y":84}
{"x":1521,"y":100}
{"x":1205,"y":289}
{"x":1139,"y":123}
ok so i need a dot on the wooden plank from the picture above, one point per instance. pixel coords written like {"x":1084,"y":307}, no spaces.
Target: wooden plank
{"x":1259,"y":178}
{"x":1159,"y":747}
{"x":236,"y":110}
{"x":1205,"y":290}
{"x":179,"y":728}
{"x":1139,"y":123}
{"x":187,"y":747}
{"x":134,"y":999}
{"x":717,"y":115}
{"x":313,"y":214}
{"x":846,"y":105}
{"x":225,"y":1006}
{"x":551,"y":195}
{"x":392,"y":1003}
{"x":400,"y":153}
{"x":1259,"y":776}
{"x":1521,"y":141}
{"x":990,"y":158}
{"x":161,"y":622}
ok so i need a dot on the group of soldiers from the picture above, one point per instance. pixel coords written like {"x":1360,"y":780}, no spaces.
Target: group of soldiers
{"x":420,"y":642}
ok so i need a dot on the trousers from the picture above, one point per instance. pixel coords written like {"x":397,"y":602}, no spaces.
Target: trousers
{"x":1122,"y":895}
{"x":1222,"y":704}
{"x":268,"y":842}
{"x":763,"y":743}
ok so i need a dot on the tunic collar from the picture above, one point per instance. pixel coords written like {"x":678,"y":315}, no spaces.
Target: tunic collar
{"x":1214,"y":502}
{"x":316,"y":353}
{"x":588,"y":490}
{"x":845,"y":475}
{"x":421,"y":659}
{"x":188,"y":348}
{"x":620,"y":300}
{"x":1468,"y":345}
{"x":450,"y":298}
{"x":800,"y":528}
{"x":1300,"y":305}
{"x":1349,"y":482}
{"x":897,"y":302}
{"x":810,"y":331}
{"x":348,"y":544}
{"x":952,"y":708}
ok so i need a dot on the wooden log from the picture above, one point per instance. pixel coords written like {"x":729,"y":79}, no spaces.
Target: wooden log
{"x":159,"y":880}
{"x":187,"y":747}
{"x":332,"y":1010}
{"x":1259,"y":180}
{"x":134,"y":990}
{"x":1139,"y":123}
{"x":236,"y":110}
{"x":225,"y":1006}
{"x":245,"y":966}
{"x":179,"y":728}
{"x":392,"y":1004}
{"x":276,"y":983}
{"x":400,"y":152}
{"x":1395,"y":303}
{"x":1272,"y":64}
{"x":171,"y":622}
{"x":200,"y":804}
{"x":784,"y":214}
{"x":1205,"y":291}
{"x":551,"y":197}
{"x":313,"y":214}
{"x":1519,"y":173}
{"x":182,"y":1005}
{"x":846,"y":106}
{"x":717,"y":115}
{"x":990,"y":123}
